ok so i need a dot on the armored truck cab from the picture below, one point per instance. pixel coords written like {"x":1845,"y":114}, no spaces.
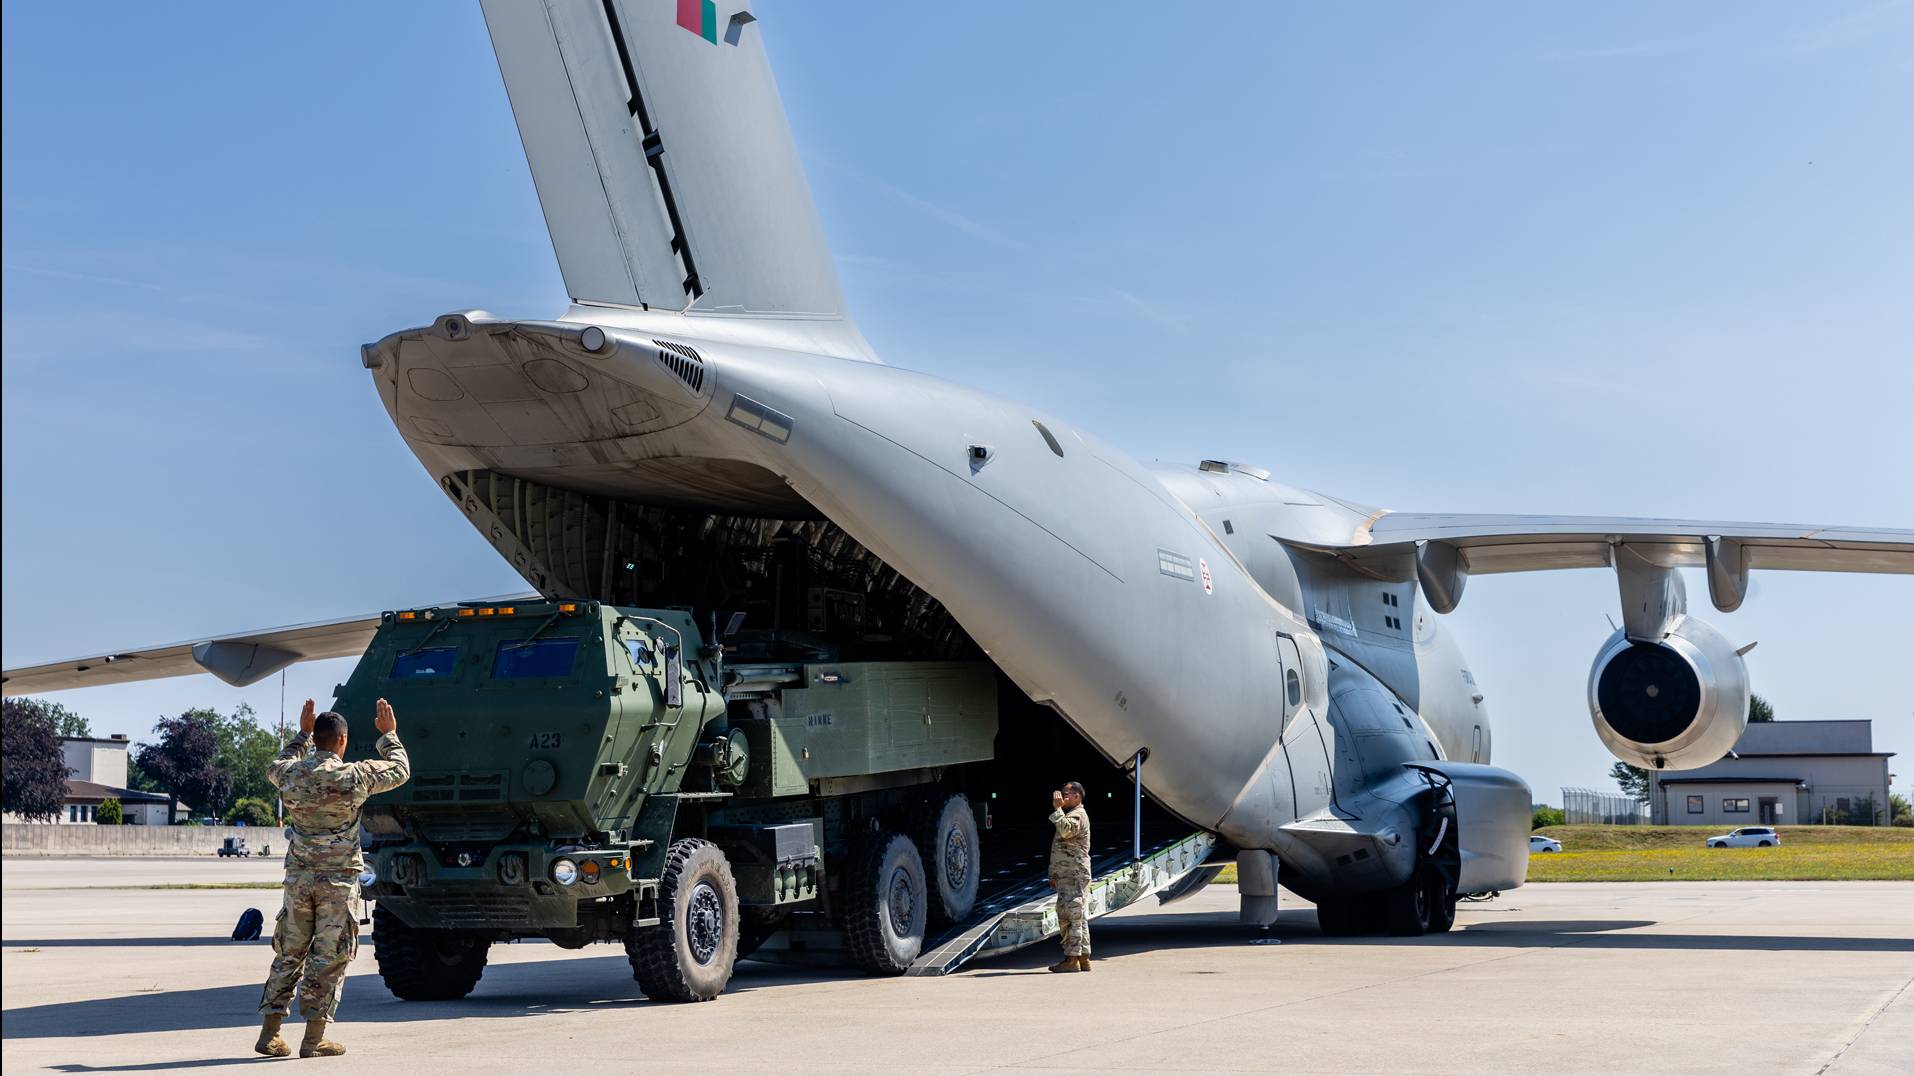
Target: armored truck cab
{"x":584,"y":772}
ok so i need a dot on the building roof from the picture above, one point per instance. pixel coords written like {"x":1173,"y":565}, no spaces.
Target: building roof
{"x":117,"y":740}
{"x":90,"y":792}
{"x":1731,"y":780}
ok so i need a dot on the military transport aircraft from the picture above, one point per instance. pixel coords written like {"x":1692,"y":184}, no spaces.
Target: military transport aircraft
{"x":706,"y":424}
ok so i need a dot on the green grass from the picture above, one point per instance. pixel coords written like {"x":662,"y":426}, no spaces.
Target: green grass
{"x":1628,"y":838}
{"x":1805,"y":862}
{"x":1679,"y":854}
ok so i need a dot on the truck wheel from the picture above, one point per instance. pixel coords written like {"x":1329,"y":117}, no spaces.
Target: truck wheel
{"x":946,"y":834}
{"x":689,"y":955}
{"x":884,"y":903}
{"x":426,"y":965}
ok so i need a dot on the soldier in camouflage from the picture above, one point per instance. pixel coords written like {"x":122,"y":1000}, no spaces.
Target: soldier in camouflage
{"x":316,"y":934}
{"x":1070,"y":875}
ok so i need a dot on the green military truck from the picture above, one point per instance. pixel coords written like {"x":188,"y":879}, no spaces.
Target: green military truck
{"x":589,"y":773}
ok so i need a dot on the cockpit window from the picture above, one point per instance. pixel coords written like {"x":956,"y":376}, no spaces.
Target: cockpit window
{"x":541,"y":657}
{"x":432,"y":664}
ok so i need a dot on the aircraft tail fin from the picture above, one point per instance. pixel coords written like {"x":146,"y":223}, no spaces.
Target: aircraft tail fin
{"x":662,"y":157}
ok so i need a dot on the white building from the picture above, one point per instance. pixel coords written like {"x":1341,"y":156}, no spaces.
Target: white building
{"x":1783,"y":773}
{"x":99,"y":772}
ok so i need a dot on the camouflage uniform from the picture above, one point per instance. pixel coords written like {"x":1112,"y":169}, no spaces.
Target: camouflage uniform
{"x":316,"y":932}
{"x":1070,"y":874}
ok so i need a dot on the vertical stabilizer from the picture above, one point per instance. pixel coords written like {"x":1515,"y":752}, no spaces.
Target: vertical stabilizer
{"x":662,"y":157}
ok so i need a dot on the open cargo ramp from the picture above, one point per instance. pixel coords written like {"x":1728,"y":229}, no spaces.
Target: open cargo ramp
{"x":1027,"y":914}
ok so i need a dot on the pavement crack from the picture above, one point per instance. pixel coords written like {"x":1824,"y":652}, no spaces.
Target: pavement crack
{"x":1865,"y":1024}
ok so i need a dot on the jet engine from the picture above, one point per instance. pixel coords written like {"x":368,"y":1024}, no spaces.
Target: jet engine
{"x":1677,"y":703}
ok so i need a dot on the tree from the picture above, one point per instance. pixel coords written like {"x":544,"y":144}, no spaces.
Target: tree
{"x":1899,"y":811}
{"x":65,"y":722}
{"x":245,"y":752}
{"x":1547,"y":816}
{"x":183,"y":764}
{"x":110,"y":813}
{"x":253,"y":812}
{"x":1634,"y":781}
{"x":1759,"y":709}
{"x":33,"y":769}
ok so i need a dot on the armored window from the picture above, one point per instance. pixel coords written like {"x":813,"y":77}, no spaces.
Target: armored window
{"x":433,"y":664}
{"x":1695,"y":805}
{"x":542,"y":657}
{"x":640,"y":652}
{"x":1293,"y":687}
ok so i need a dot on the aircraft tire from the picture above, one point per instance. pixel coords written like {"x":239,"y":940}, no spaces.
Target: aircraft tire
{"x":885,"y":898}
{"x":426,"y":965}
{"x":945,"y":830}
{"x":1441,"y":904}
{"x":1405,"y":910}
{"x":689,"y":954}
{"x":1343,"y":917}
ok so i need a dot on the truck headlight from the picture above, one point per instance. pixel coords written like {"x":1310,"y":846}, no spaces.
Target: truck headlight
{"x":564,"y":871}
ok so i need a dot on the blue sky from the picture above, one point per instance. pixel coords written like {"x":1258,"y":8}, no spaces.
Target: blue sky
{"x":1637,"y":259}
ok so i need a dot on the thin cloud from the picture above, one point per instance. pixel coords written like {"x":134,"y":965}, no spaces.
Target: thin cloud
{"x":929,"y":208}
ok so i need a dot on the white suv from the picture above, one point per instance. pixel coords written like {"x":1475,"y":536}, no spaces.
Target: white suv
{"x":1747,"y":837}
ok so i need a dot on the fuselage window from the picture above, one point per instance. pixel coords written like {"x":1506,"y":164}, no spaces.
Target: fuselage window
{"x":1293,"y":687}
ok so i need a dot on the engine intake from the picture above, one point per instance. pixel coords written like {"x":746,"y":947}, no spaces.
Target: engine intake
{"x":1677,"y":704}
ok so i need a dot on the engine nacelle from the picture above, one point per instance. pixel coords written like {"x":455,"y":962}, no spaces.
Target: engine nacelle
{"x":1677,"y":704}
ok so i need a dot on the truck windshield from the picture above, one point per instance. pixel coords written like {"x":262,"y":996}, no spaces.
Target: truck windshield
{"x":425,"y":664}
{"x":544,"y":657}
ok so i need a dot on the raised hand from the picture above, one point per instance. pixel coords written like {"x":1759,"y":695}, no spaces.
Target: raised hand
{"x":1056,"y":801}
{"x":307,"y":715}
{"x":383,"y":719}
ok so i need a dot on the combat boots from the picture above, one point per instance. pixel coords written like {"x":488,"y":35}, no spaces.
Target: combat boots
{"x":1070,"y":963}
{"x":1083,"y":962}
{"x":269,"y":1042}
{"x":316,"y":1044}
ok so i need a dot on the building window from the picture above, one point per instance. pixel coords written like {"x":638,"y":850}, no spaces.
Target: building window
{"x":1734,"y":806}
{"x":1694,"y":805}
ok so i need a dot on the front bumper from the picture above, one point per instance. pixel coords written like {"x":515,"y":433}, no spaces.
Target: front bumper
{"x":502,"y":887}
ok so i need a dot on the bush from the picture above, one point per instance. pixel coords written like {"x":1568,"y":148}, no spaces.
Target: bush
{"x":1548,"y":816}
{"x":110,"y":813}
{"x":252,"y":811}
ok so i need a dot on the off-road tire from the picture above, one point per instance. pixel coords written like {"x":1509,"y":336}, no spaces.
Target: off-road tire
{"x":689,"y":954}
{"x":885,"y":898}
{"x":426,"y":965}
{"x":1343,"y":917}
{"x":945,"y":831}
{"x":1405,"y":910}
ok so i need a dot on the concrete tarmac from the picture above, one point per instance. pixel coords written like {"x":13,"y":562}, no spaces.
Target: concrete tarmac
{"x":1703,"y":977}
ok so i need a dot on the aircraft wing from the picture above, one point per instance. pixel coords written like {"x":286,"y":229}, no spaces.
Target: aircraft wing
{"x":240,"y":658}
{"x":1443,"y":550}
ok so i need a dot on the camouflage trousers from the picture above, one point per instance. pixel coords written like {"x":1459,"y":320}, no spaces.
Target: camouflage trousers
{"x":313,"y":943}
{"x":1073,"y":911}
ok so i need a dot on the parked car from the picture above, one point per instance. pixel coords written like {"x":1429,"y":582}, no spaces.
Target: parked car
{"x":234,"y":846}
{"x":1539,"y":843}
{"x":1747,"y":837}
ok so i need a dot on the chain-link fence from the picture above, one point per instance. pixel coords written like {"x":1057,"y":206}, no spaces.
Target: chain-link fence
{"x":1585,"y":806}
